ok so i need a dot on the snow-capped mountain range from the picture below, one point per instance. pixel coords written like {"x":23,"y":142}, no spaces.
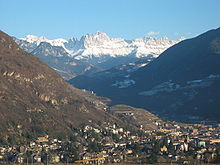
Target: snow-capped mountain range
{"x":98,"y":49}
{"x":99,"y":44}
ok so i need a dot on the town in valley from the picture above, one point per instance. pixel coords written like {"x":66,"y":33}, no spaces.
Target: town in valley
{"x":98,"y":143}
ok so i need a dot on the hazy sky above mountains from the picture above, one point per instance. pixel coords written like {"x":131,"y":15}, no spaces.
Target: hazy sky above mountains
{"x":128,"y":19}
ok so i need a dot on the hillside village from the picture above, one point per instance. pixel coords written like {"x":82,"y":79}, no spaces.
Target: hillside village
{"x":168,"y":142}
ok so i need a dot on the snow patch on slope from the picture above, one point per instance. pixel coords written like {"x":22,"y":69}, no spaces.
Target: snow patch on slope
{"x":170,"y":86}
{"x":124,"y":84}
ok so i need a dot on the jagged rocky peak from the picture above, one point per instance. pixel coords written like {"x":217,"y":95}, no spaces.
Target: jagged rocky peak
{"x":75,"y":44}
{"x":86,"y":41}
{"x":98,"y":36}
{"x":97,"y":39}
{"x":73,"y":40}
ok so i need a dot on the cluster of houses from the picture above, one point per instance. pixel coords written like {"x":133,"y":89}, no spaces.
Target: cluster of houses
{"x":109,"y":143}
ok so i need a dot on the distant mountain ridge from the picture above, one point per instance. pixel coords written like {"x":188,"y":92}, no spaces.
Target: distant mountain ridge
{"x":94,"y":51}
{"x":101,"y":44}
{"x":182,"y":83}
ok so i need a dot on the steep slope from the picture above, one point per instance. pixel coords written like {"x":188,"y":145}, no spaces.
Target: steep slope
{"x":35,"y":100}
{"x":182,"y":83}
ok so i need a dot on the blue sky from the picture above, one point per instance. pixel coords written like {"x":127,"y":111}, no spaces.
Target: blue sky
{"x":118,"y":18}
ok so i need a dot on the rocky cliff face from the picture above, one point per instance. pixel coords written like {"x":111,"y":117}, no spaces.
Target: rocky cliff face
{"x":100,"y":44}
